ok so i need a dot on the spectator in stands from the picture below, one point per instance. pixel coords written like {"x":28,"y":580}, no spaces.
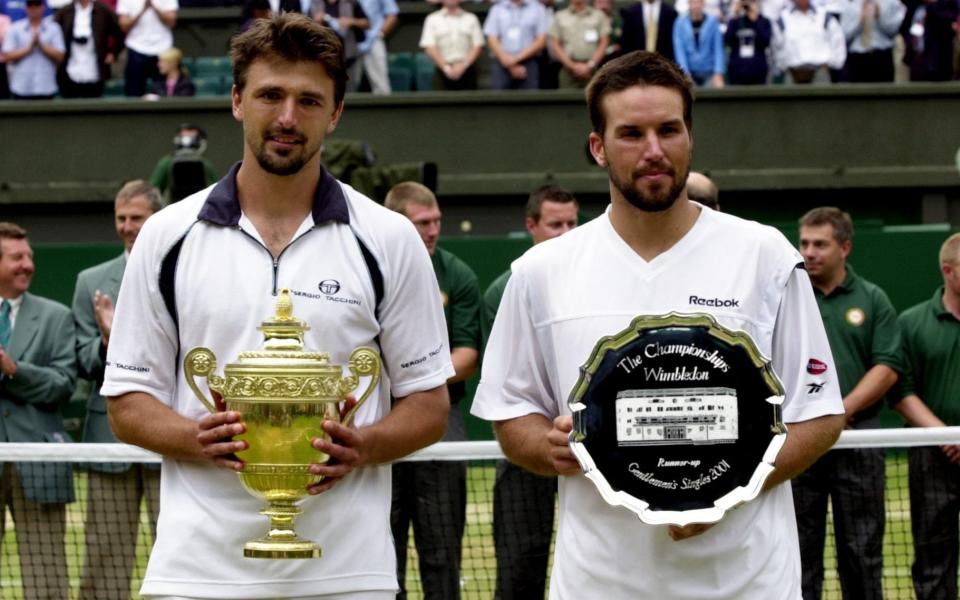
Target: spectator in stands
{"x":383,"y":16}
{"x":4,"y":82}
{"x":927,"y":397}
{"x":173,"y":80}
{"x":297,"y":6}
{"x":516,"y":32}
{"x":349,"y":20}
{"x":38,"y":370}
{"x":701,"y":188}
{"x":32,"y":48}
{"x":453,"y":40}
{"x":648,"y":25}
{"x":186,"y":169}
{"x":253,"y":10}
{"x":17,"y":9}
{"x":698,"y":46}
{"x":523,"y":501}
{"x":114,"y":490}
{"x":148,"y":25}
{"x":579,"y":35}
{"x":615,"y":19}
{"x":871,"y":28}
{"x":432,"y":496}
{"x":93,"y":39}
{"x":808,"y":42}
{"x":748,"y":36}
{"x":861,"y":326}
{"x":929,"y":30}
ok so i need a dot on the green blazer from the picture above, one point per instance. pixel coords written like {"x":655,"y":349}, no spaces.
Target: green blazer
{"x":42,"y":344}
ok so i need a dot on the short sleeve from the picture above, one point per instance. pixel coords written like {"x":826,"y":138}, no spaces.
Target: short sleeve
{"x":427,"y":36}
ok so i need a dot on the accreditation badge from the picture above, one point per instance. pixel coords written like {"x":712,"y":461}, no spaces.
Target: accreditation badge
{"x":677,"y":418}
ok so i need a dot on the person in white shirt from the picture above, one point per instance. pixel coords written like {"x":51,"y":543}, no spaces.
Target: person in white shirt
{"x":148,"y":25}
{"x":92,"y":38}
{"x":808,"y":42}
{"x":659,"y":253}
{"x":453,"y":40}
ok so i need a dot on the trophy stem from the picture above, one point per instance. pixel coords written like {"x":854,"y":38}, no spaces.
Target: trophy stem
{"x":282,"y":541}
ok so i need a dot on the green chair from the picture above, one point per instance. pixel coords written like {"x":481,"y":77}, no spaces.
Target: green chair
{"x":187,"y":64}
{"x":113,"y":88}
{"x":211,"y":66}
{"x":423,"y":72}
{"x":400,"y":69}
{"x":208,"y":86}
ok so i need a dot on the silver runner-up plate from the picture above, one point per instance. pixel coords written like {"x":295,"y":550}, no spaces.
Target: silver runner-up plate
{"x":677,"y":418}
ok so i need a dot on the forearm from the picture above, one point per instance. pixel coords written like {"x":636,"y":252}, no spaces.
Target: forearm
{"x":556,"y":48}
{"x":168,"y":17}
{"x":127,"y":22}
{"x":42,"y":384}
{"x":13,"y":56}
{"x":806,"y":442}
{"x":871,"y":388}
{"x":416,"y":421}
{"x":533,"y":49}
{"x":140,"y":419}
{"x":600,"y":52}
{"x":472,"y":57}
{"x":464,"y":361}
{"x":389,"y":23}
{"x":52,"y":53}
{"x":524,"y":442}
{"x":916,"y":413}
{"x":434,"y":53}
{"x":499,"y":53}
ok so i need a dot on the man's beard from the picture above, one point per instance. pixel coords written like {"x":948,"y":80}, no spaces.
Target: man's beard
{"x":282,"y":165}
{"x":659,"y":200}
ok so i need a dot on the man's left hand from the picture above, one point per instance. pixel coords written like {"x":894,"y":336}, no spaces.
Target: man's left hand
{"x":345,"y":448}
{"x":7,"y":365}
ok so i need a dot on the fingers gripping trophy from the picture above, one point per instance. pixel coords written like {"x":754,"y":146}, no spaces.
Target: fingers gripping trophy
{"x":283,"y":392}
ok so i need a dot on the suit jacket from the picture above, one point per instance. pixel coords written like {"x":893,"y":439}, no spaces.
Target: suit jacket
{"x":634,"y":33}
{"x":107,"y":36}
{"x":42,"y":344}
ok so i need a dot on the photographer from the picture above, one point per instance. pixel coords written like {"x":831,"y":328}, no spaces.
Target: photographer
{"x":185,"y":170}
{"x":92,"y":40}
{"x":748,"y":37}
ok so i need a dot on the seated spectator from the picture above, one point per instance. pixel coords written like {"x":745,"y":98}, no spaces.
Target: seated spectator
{"x":33,"y":47}
{"x":870,"y":27}
{"x":347,"y":18}
{"x":579,"y":35}
{"x":807,"y":42}
{"x":453,"y":40}
{"x":748,"y":36}
{"x":698,"y":46}
{"x":174,"y":81}
{"x":516,"y":31}
{"x":93,"y":39}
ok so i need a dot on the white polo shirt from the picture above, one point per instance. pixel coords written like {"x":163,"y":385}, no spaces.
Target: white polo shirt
{"x":566,"y":294}
{"x":149,"y":36}
{"x":224,"y":285}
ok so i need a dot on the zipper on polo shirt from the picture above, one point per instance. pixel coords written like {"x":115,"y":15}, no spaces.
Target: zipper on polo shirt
{"x":276,"y":261}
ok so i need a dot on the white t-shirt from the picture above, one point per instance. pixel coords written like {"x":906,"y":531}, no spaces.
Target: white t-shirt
{"x":454,"y":34}
{"x":149,"y":36}
{"x":224,"y":281}
{"x":566,"y":294}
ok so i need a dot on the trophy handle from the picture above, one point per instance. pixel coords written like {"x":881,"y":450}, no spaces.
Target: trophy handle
{"x":201,"y":362}
{"x":363,"y":361}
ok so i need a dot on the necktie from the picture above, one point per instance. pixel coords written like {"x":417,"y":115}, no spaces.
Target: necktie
{"x":5,"y":328}
{"x":651,"y":30}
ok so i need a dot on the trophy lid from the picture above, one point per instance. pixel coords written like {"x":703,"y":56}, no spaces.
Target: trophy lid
{"x":283,"y":340}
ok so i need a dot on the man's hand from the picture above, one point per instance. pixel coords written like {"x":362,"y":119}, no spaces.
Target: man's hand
{"x":7,"y":365}
{"x":345,"y":449}
{"x":953,"y":453}
{"x":561,"y":456}
{"x":103,"y":311}
{"x":215,"y":435}
{"x":518,"y":72}
{"x":582,"y":70}
{"x":678,"y":533}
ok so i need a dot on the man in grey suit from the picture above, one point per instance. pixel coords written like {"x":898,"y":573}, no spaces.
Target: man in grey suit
{"x":37,"y":375}
{"x":114,"y":489}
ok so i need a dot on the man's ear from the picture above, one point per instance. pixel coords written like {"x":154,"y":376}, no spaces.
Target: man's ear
{"x":596,"y":149}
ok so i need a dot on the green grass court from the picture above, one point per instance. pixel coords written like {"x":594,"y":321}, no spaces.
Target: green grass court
{"x":479,"y":562}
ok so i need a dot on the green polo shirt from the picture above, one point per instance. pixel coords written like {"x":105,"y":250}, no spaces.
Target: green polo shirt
{"x":931,"y":342}
{"x":861,"y":326}
{"x":460,"y":292}
{"x":491,"y":302}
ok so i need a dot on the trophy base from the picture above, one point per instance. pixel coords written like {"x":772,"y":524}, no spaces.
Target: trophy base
{"x":267,"y":547}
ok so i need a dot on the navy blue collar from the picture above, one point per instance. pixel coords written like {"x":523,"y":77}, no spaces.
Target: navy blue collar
{"x":222,"y":206}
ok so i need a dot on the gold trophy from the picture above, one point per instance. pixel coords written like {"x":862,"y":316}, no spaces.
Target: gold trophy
{"x":283,"y":393}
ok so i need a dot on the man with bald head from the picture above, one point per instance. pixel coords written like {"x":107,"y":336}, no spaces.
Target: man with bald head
{"x":701,"y":188}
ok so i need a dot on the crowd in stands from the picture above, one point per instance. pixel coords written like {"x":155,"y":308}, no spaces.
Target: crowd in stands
{"x":73,"y":51}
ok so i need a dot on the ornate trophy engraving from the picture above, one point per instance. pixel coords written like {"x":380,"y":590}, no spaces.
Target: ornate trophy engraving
{"x":677,"y":418}
{"x":283,"y":393}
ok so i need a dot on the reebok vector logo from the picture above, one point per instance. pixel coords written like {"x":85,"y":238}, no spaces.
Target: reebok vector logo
{"x":718,"y":302}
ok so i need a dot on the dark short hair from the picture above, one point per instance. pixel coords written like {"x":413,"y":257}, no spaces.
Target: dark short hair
{"x":139,"y":187}
{"x":545,"y":193}
{"x":639,"y":68}
{"x":830,"y":215}
{"x":11,"y":231}
{"x":291,"y":37}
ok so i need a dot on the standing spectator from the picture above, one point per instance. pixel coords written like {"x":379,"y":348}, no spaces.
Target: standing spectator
{"x":516,"y":31}
{"x":33,"y":47}
{"x":93,"y":39}
{"x":929,"y":32}
{"x":17,"y":9}
{"x":648,"y":25}
{"x":38,"y":370}
{"x":871,"y":28}
{"x":928,"y":398}
{"x":148,"y":25}
{"x":114,"y":490}
{"x":347,"y":18}
{"x":579,"y":35}
{"x":453,"y":40}
{"x":173,"y":80}
{"x":383,"y":17}
{"x":862,"y":329}
{"x":253,"y":10}
{"x":432,"y":496}
{"x":808,"y":42}
{"x":615,"y":19}
{"x":522,"y":500}
{"x":4,"y":83}
{"x":698,"y":46}
{"x":748,"y":35}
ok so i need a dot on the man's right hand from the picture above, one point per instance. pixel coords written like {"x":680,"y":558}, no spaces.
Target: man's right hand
{"x":215,"y":434}
{"x":561,"y":456}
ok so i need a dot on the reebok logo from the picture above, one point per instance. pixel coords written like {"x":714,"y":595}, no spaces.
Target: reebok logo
{"x":720,"y":302}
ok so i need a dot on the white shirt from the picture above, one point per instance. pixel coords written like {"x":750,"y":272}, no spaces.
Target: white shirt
{"x":14,"y":309}
{"x":559,"y":303}
{"x":453,"y":34}
{"x":149,"y":36}
{"x":82,"y":66}
{"x":808,"y":39}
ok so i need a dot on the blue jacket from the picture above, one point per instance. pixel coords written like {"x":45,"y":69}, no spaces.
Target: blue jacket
{"x":705,"y":58}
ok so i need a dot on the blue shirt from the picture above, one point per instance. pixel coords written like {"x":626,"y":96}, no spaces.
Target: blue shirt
{"x":703,"y":56}
{"x":516,"y":26}
{"x":377,"y":12}
{"x":34,"y":74}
